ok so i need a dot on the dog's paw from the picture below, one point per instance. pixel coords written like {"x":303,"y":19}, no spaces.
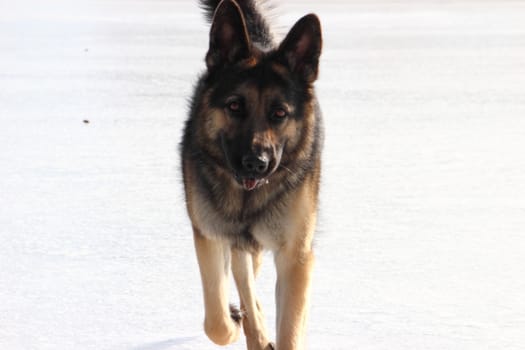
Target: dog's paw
{"x":235,"y":313}
{"x":270,"y":346}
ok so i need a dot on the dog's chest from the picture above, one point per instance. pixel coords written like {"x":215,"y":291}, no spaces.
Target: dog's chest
{"x":266,"y":228}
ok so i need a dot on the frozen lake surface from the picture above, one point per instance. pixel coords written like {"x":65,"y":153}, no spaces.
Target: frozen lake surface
{"x":421,"y":241}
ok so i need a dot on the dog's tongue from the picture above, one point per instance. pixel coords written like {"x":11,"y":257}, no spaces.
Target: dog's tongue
{"x":249,"y":184}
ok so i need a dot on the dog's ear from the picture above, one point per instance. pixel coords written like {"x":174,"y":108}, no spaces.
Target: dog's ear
{"x":229,"y":40}
{"x":301,"y":49}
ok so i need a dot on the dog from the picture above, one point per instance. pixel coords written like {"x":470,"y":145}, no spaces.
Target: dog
{"x":251,"y":164}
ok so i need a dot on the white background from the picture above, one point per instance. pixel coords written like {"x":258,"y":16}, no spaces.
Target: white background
{"x":421,"y":239}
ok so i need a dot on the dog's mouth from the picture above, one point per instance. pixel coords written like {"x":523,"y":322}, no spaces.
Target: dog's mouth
{"x":250,"y":183}
{"x":249,"y":180}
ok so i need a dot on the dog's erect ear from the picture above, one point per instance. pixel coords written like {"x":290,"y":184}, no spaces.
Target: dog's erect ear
{"x":301,"y":48}
{"x":229,"y":40}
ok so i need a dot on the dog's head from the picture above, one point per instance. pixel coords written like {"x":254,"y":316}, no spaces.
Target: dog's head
{"x":258,"y":103}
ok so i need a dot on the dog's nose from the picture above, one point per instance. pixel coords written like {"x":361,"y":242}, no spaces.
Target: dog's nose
{"x":257,"y":164}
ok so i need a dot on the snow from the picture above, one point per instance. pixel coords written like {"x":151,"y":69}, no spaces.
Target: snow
{"x":421,"y":241}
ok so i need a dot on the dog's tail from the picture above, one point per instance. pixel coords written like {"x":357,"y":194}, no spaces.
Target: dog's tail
{"x":257,"y":26}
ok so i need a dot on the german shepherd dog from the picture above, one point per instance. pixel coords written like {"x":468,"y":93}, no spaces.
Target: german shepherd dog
{"x":251,"y":158}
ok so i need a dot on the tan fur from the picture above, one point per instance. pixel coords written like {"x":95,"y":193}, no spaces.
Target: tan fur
{"x":245,"y":266}
{"x":214,"y":259}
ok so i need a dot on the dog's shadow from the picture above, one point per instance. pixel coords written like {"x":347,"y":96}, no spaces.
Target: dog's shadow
{"x":165,"y":344}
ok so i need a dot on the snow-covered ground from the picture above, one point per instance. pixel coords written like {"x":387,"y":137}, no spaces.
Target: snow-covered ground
{"x":421,"y":241}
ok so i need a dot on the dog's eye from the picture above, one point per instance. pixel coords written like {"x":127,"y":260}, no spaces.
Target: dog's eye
{"x":234,"y":106}
{"x":279,"y":114}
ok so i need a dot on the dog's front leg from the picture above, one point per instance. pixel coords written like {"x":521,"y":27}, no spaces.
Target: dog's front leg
{"x":245,"y":266}
{"x":221,"y":324}
{"x":294,"y":268}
